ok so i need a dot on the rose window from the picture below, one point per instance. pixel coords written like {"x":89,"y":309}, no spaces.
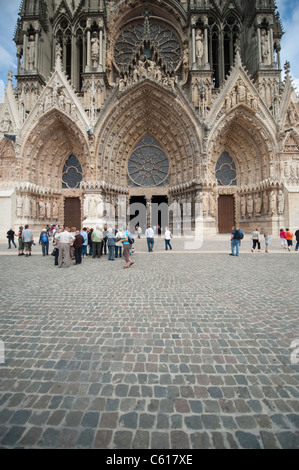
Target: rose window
{"x":148,"y":164}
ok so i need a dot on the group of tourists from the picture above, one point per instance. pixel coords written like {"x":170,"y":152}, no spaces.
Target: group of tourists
{"x":25,"y":240}
{"x":72,"y":244}
{"x":286,"y":240}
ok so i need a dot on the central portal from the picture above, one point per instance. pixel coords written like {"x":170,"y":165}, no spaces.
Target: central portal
{"x":149,"y":210}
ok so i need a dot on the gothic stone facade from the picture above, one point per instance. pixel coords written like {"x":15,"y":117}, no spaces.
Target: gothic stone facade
{"x":173,"y":101}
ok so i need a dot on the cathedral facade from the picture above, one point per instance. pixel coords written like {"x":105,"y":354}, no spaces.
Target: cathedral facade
{"x":176,"y":102}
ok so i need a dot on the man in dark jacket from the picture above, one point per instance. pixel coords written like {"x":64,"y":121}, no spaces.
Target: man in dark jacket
{"x":297,"y":240}
{"x":77,"y":244}
{"x":11,"y":238}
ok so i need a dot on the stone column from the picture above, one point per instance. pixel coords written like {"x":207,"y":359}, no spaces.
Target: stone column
{"x":206,"y":58}
{"x":194,"y":65}
{"x":259,"y":44}
{"x":36,"y":50}
{"x":101,"y":51}
{"x":271,"y":45}
{"x":88,"y":49}
{"x":24,"y":65}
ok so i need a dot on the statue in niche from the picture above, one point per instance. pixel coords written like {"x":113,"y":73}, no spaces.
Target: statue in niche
{"x":265,"y":202}
{"x":42,"y":210}
{"x":280,"y":202}
{"x":258,"y":204}
{"x":249,"y":206}
{"x":95,"y":48}
{"x":272,"y":203}
{"x":55,"y":210}
{"x":265,"y":48}
{"x":213,"y":205}
{"x":241,"y":91}
{"x":33,"y":208}
{"x":243,"y":206}
{"x":30,"y":53}
{"x":26,"y":207}
{"x":100,"y":206}
{"x":19,"y":206}
{"x":199,"y":47}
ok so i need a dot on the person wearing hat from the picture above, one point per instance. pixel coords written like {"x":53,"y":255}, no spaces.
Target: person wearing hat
{"x":44,"y":241}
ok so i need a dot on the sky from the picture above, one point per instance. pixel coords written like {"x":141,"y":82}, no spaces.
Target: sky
{"x":289,"y":12}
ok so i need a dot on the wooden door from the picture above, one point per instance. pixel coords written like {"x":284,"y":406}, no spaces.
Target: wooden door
{"x":226,"y":214}
{"x":72,"y":212}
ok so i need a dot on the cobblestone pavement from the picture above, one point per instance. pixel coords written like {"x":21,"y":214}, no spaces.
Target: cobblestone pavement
{"x":184,"y":350}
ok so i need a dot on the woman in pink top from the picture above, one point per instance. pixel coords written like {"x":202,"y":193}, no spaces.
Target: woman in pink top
{"x":283,"y":238}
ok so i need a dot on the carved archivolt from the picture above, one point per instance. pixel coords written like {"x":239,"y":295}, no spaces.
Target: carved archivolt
{"x":47,"y":148}
{"x":244,"y":138}
{"x":148,"y":110}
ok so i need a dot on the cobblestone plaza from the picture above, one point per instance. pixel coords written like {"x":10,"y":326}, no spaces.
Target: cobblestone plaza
{"x":184,"y":350}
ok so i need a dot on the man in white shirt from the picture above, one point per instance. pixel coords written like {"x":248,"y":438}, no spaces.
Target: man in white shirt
{"x":149,"y":234}
{"x":64,"y":240}
{"x":168,"y":237}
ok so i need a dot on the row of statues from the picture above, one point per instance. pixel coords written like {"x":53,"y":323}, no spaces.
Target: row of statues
{"x":267,"y":203}
{"x":36,"y":208}
{"x":146,"y":68}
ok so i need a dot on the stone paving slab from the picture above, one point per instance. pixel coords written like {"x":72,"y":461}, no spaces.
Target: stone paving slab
{"x":181,"y":351}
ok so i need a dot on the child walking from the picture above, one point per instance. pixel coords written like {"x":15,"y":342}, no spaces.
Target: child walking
{"x":267,"y":241}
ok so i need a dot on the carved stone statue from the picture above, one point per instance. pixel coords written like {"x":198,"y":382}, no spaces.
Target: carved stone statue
{"x":95,"y":48}
{"x":272,"y":203}
{"x":30,"y":53}
{"x":265,"y":48}
{"x":265,"y":202}
{"x":258,"y":204}
{"x":280,"y":202}
{"x":199,"y":47}
{"x":249,"y":206}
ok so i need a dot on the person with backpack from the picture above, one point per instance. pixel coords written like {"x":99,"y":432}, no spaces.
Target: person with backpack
{"x":44,"y":241}
{"x":236,"y":237}
{"x":127,"y":241}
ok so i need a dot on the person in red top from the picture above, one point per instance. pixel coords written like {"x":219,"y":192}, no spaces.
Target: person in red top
{"x":283,"y":238}
{"x":289,"y":237}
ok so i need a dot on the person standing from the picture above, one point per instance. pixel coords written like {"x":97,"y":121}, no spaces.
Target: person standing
{"x":118,"y":244}
{"x":297,"y":240}
{"x":104,"y":243}
{"x":77,"y":245}
{"x":65,"y":239}
{"x":84,"y":246}
{"x":256,"y":240}
{"x":27,"y":238}
{"x":97,"y":240}
{"x":90,"y":242}
{"x":167,"y":237}
{"x":11,"y":238}
{"x":289,"y":237}
{"x":111,"y":244}
{"x":283,"y":238}
{"x":267,"y":242}
{"x":236,"y":237}
{"x":149,"y":235}
{"x":126,"y":249}
{"x":44,"y":241}
{"x":20,"y":242}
